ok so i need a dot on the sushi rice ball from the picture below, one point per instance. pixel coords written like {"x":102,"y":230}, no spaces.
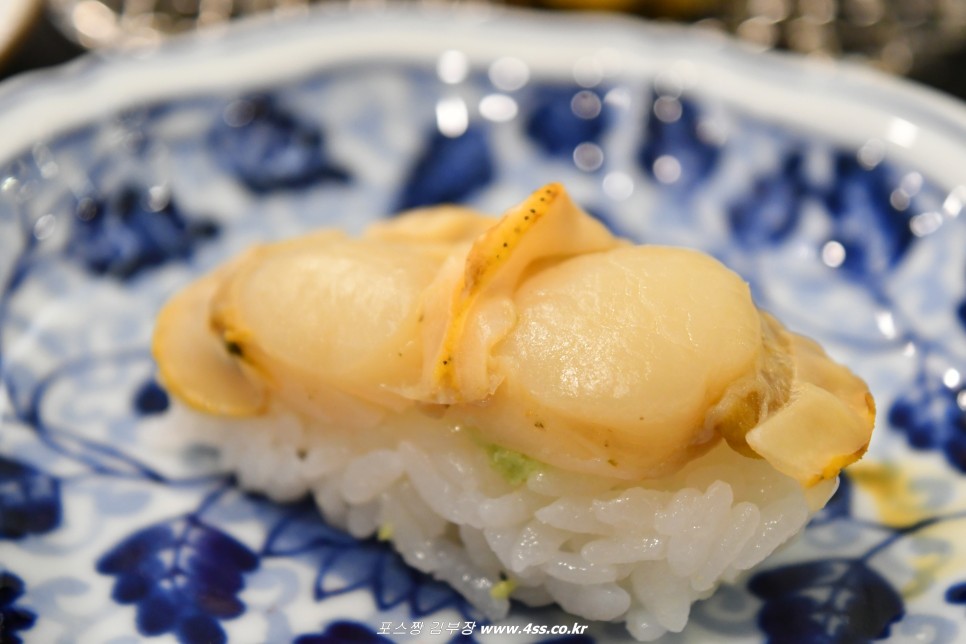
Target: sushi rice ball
{"x":528,"y":407}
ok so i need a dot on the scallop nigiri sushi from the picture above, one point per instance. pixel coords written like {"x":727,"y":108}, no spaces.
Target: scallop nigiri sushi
{"x":527,"y":407}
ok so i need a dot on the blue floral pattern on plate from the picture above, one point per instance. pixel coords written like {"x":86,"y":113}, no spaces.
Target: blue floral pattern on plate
{"x":183,"y":575}
{"x":29,"y":500}
{"x":13,"y":619}
{"x":266,"y":147}
{"x":98,"y":226}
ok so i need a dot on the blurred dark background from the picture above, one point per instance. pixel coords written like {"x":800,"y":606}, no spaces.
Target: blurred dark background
{"x":42,"y":45}
{"x":924,"y":40}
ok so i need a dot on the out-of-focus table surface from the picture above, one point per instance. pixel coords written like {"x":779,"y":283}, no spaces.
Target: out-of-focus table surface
{"x":43,"y":45}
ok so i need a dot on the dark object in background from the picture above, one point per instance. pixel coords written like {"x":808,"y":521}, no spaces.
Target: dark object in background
{"x":945,"y":74}
{"x":43,"y":46}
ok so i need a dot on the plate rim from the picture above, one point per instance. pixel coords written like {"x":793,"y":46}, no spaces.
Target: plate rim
{"x":52,"y":102}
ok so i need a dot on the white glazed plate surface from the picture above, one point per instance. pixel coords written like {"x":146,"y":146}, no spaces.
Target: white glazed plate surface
{"x":836,"y":193}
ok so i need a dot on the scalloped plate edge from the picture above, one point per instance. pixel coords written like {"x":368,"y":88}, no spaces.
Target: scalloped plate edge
{"x":846,"y":102}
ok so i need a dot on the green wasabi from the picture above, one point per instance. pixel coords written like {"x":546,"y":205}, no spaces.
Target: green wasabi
{"x":503,"y":589}
{"x":512,"y":466}
{"x":386,"y":531}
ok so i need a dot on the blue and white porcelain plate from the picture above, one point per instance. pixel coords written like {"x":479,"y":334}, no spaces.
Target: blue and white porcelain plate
{"x":837,"y":193}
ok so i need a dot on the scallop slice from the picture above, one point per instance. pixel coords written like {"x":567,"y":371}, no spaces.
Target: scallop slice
{"x":759,"y":394}
{"x":221,"y":344}
{"x":329,"y":324}
{"x":633,"y":361}
{"x":194,"y":365}
{"x":826,"y":424}
{"x":471,"y":304}
{"x":617,"y":356}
